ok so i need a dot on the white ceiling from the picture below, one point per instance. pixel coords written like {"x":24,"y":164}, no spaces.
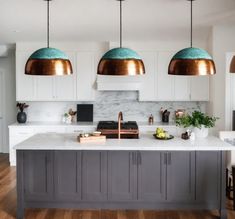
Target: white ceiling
{"x":97,"y":20}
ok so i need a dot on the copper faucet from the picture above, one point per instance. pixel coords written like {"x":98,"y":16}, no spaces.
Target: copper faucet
{"x":120,"y":119}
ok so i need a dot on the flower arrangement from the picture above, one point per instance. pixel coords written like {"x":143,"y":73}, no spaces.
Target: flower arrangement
{"x":197,"y":120}
{"x":22,"y":106}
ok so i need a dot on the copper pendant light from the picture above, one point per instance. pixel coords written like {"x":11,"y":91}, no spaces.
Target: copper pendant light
{"x":232,"y":65}
{"x":48,"y":61}
{"x":192,"y":61}
{"x":121,"y":61}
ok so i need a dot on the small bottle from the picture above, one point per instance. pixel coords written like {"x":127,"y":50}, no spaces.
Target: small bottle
{"x":151,"y":119}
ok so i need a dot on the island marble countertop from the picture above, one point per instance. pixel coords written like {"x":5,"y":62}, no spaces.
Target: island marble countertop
{"x":146,"y":142}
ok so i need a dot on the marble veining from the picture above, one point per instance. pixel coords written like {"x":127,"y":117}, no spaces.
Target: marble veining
{"x":107,"y":106}
{"x":146,"y":143}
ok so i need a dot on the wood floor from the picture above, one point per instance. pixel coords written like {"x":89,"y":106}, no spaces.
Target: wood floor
{"x":8,"y":205}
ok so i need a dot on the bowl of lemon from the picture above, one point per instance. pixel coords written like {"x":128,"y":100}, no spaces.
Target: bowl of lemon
{"x":161,"y":134}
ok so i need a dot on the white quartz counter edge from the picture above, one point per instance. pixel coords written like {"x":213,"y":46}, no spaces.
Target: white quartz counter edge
{"x":84,"y":124}
{"x":145,"y":143}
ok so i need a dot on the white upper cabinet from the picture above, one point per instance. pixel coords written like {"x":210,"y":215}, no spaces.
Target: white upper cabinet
{"x":65,"y":86}
{"x":200,"y":88}
{"x":76,"y":87}
{"x":164,"y":83}
{"x":44,"y":88}
{"x":155,"y":85}
{"x":182,"y":88}
{"x":25,"y":86}
{"x":147,"y":90}
{"x":86,"y":76}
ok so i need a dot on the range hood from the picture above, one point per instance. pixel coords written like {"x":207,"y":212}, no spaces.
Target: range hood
{"x":119,"y":83}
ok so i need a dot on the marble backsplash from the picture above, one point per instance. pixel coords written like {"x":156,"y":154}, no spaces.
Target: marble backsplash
{"x":107,"y":106}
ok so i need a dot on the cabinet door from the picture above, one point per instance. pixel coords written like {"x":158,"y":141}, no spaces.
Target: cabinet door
{"x":182,"y":88}
{"x":67,"y":175}
{"x":148,"y":81}
{"x":65,"y":86}
{"x":200,"y":88}
{"x":24,"y":83}
{"x":151,"y":176}
{"x":45,"y":88}
{"x":85,"y":76}
{"x":94,"y":175}
{"x":181,"y":176}
{"x":38,"y":175}
{"x":165,"y":82}
{"x":122,"y":176}
{"x":207,"y":176}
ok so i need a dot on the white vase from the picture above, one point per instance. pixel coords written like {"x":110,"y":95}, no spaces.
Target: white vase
{"x":201,"y":133}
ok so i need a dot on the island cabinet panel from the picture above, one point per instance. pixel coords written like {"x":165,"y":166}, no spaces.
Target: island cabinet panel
{"x":67,"y":175}
{"x":207,"y":177}
{"x":94,"y":176}
{"x":151,"y":176}
{"x":38,"y":175}
{"x":180,"y":176}
{"x":122,"y":172}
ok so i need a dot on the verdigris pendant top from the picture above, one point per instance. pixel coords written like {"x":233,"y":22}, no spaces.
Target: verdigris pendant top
{"x":121,"y":53}
{"x":48,"y":53}
{"x":192,"y":53}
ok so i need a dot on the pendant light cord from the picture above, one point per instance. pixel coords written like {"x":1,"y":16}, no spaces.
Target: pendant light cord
{"x":191,"y":25}
{"x":48,"y":23}
{"x":121,"y":23}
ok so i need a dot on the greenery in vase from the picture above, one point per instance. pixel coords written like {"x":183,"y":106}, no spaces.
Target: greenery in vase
{"x":197,"y":119}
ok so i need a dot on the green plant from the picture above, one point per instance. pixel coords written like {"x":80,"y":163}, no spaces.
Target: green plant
{"x":197,"y":119}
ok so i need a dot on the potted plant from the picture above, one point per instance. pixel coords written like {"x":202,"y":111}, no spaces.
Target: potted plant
{"x":21,"y":116}
{"x":198,"y":121}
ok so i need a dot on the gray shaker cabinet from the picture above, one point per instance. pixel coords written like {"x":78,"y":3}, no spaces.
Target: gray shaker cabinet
{"x":120,"y":180}
{"x":67,"y":175}
{"x":38,"y":184}
{"x":208,"y":177}
{"x":94,"y":175}
{"x":151,"y":176}
{"x":122,"y":172}
{"x":180,"y":176}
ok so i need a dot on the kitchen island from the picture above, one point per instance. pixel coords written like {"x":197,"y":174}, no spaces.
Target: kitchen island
{"x":55,"y":171}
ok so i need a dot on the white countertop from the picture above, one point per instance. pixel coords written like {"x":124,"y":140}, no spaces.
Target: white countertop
{"x":146,"y":143}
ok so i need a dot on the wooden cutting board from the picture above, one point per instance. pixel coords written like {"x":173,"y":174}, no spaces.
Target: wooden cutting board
{"x":92,"y":139}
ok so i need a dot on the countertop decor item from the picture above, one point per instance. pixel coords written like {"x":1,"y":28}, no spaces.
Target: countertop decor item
{"x":121,"y":61}
{"x":166,"y":138}
{"x":151,"y":119}
{"x":48,"y":61}
{"x":21,"y":116}
{"x":192,"y":61}
{"x":198,"y":121}
{"x":165,"y":115}
{"x":91,"y":138}
{"x":73,"y":114}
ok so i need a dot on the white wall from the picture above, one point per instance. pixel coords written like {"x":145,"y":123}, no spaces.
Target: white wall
{"x":222,"y":42}
{"x":7,"y":65}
